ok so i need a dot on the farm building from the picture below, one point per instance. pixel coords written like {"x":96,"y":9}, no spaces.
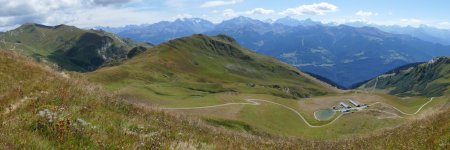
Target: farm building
{"x":344,"y":105}
{"x":355,"y":103}
{"x":345,"y":110}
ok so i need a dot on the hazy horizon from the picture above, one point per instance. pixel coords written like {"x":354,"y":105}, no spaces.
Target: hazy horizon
{"x":118,"y":13}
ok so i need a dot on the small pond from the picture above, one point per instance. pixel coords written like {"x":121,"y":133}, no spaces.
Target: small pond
{"x":324,"y":114}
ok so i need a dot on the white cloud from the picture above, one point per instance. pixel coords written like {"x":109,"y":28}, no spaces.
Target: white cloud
{"x":27,"y":7}
{"x":107,"y":2}
{"x":216,"y":3}
{"x":23,"y":7}
{"x":411,"y":21}
{"x":82,"y":13}
{"x":312,"y":9}
{"x":13,"y":13}
{"x":443,"y":25}
{"x":414,"y":22}
{"x":365,"y":13}
{"x":181,"y":16}
{"x":260,"y":11}
{"x":175,"y":3}
{"x":110,"y":16}
{"x":257,"y":11}
{"x":229,"y":13}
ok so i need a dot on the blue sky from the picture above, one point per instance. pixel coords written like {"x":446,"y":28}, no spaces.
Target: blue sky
{"x":91,"y":13}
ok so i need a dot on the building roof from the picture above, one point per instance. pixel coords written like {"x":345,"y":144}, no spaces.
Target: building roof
{"x":344,"y":104}
{"x":354,"y":102}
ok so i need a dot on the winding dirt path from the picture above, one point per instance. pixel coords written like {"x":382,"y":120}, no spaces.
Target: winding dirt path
{"x":16,"y":105}
{"x":255,"y":102}
{"x":298,"y":114}
{"x":251,"y":102}
{"x":420,"y":108}
{"x":382,"y":111}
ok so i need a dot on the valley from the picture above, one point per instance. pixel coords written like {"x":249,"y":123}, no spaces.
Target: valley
{"x":343,"y":54}
{"x":295,"y":117}
{"x":231,"y":87}
{"x":201,"y":91}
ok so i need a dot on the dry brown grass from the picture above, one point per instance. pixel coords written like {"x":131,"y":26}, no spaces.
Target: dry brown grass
{"x":110,"y":123}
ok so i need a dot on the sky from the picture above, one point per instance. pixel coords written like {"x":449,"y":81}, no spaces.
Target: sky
{"x":116,"y":13}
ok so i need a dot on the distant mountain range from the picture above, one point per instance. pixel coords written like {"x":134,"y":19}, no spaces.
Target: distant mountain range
{"x":163,"y":31}
{"x":423,"y":32}
{"x":189,"y":26}
{"x":429,"y":79}
{"x":343,"y":54}
{"x":289,"y":21}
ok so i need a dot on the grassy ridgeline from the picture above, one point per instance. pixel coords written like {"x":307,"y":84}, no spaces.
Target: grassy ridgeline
{"x":68,"y":47}
{"x":57,"y":112}
{"x":208,"y":65}
{"x":427,"y":79}
{"x":49,"y":110}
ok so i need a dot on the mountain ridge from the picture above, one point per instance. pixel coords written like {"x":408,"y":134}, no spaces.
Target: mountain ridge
{"x":429,"y":79}
{"x":424,"y":32}
{"x":68,"y":47}
{"x":211,"y":60}
{"x":63,"y":111}
{"x":334,"y":52}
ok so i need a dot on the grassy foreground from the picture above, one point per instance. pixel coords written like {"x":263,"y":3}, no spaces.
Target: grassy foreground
{"x":43,"y":109}
{"x":59,"y":112}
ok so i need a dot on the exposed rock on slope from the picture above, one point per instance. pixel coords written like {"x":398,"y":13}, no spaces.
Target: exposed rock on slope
{"x":66,"y":46}
{"x":430,"y":79}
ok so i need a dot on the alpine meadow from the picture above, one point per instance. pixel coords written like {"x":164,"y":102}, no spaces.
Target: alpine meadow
{"x":224,"y":74}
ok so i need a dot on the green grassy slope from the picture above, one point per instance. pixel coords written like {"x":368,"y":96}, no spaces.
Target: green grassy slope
{"x":44,"y":109}
{"x":428,"y":79}
{"x":69,"y":47}
{"x":200,"y":65}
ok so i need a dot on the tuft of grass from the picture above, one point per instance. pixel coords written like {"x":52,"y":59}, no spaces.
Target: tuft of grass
{"x":69,"y":113}
{"x":231,"y":124}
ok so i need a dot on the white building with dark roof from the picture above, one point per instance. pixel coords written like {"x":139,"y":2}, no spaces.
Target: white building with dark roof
{"x":344,"y":105}
{"x":355,"y":103}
